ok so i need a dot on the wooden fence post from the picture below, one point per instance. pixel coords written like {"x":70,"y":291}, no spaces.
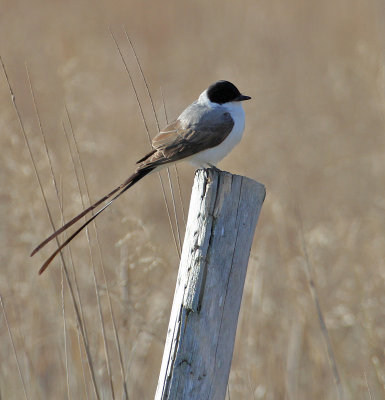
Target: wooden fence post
{"x":223,"y":214}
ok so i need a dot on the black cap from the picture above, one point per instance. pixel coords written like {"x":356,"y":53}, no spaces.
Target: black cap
{"x":223,"y":92}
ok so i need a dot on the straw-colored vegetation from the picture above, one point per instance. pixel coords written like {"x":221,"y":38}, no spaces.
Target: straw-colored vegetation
{"x":314,"y":136}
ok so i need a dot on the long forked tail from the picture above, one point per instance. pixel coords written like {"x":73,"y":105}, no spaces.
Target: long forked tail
{"x":137,"y":176}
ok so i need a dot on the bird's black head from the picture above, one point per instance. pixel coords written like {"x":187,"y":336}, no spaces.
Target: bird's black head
{"x":223,"y":92}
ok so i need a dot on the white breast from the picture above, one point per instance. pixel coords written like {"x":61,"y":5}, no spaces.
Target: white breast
{"x":214,"y":155}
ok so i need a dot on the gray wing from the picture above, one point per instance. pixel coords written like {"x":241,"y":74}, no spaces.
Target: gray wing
{"x":198,"y":128}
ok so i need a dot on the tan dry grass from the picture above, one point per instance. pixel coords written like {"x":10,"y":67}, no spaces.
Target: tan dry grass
{"x":314,"y":137}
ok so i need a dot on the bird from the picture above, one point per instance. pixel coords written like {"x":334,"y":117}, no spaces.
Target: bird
{"x":203,"y":134}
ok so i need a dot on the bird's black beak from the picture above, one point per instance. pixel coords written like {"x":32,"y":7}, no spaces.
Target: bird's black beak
{"x":242,"y":98}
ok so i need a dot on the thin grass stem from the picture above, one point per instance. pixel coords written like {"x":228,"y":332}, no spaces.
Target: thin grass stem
{"x":158,"y":127}
{"x":14,"y":350}
{"x":116,"y":336}
{"x":96,"y":286}
{"x":321,"y":319}
{"x":149,"y":138}
{"x":82,"y":331}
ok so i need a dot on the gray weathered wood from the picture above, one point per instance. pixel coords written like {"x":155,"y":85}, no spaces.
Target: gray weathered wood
{"x":223,"y":214}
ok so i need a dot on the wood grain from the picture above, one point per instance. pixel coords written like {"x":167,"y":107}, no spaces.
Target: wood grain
{"x":223,"y":214}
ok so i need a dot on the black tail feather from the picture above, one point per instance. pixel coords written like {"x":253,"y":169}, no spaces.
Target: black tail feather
{"x":148,"y":155}
{"x":137,"y":176}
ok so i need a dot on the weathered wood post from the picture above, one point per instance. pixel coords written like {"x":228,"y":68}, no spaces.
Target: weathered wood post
{"x":223,"y":214}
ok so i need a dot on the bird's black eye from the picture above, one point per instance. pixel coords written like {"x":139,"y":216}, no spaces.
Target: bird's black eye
{"x":222,"y":92}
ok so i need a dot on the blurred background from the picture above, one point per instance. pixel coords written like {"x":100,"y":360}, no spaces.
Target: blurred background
{"x":314,"y":136}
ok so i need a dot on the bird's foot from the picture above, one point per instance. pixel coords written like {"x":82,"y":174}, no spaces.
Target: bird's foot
{"x":213,"y":167}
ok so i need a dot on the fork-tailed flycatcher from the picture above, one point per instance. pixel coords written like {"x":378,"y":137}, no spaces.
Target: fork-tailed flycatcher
{"x":205,"y":132}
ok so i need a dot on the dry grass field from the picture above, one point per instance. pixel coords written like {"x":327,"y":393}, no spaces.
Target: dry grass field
{"x":314,"y":136}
